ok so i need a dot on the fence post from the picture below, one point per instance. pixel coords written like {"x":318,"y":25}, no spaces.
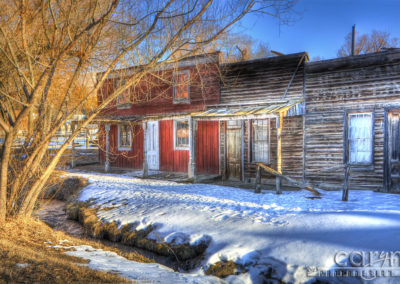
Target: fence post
{"x":345,"y":195}
{"x":258,"y":180}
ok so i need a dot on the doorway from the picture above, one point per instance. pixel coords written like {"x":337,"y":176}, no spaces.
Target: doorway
{"x":153,"y":161}
{"x":234,"y":149}
{"x":392,"y":165}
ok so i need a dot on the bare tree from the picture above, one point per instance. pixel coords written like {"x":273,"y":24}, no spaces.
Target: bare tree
{"x":238,"y":47}
{"x":368,"y":43}
{"x":48,"y":46}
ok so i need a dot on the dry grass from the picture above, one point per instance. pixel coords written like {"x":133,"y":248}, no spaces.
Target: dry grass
{"x":222,"y":269}
{"x":23,"y":242}
{"x":87,"y":216}
{"x":62,"y":187}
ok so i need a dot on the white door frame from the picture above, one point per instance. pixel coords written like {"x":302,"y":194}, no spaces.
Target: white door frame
{"x":152,"y":141}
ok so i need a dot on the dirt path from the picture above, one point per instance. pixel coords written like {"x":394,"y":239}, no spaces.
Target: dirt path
{"x":53,"y":213}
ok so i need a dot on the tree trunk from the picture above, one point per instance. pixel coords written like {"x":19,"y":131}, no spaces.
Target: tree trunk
{"x":5,"y":157}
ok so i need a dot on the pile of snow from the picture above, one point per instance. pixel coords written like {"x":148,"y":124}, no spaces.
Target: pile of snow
{"x":143,"y":272}
{"x":283,"y":234}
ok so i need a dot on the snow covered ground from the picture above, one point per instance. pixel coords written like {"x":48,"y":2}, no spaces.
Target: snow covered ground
{"x":145,"y":272}
{"x":288,"y":237}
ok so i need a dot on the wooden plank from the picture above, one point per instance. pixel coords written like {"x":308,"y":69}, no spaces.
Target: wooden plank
{"x":258,"y":180}
{"x":345,"y":195}
{"x":290,"y":180}
{"x":145,"y":165}
{"x":340,"y":85}
{"x":279,"y":153}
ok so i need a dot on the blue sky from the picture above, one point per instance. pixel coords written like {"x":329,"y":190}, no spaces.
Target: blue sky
{"x":322,"y":25}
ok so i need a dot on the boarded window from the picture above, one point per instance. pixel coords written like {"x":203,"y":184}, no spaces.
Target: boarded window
{"x":124,"y":137}
{"x":123,"y":100}
{"x":181,"y":134}
{"x":360,"y":138}
{"x":260,"y":144}
{"x":181,"y":87}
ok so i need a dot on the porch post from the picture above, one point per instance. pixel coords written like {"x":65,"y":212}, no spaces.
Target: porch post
{"x":107,"y":163}
{"x":192,"y":148}
{"x":279,"y":152}
{"x":242,"y":132}
{"x":145,"y":166}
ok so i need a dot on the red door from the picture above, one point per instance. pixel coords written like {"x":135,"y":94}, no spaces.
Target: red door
{"x":207,"y":143}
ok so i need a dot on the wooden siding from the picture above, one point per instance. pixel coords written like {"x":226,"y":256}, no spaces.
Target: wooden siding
{"x":334,"y":88}
{"x":207,"y":160}
{"x":171,"y":160}
{"x":261,"y":80}
{"x":124,"y":159}
{"x":292,"y":150}
{"x":153,"y":95}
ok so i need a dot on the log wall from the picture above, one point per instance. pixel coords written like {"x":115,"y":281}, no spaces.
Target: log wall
{"x":292,"y":150}
{"x":334,"y":87}
{"x":266,"y":80}
{"x":261,"y":80}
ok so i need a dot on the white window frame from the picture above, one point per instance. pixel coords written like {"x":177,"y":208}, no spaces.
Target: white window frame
{"x":181,"y":100}
{"x":175,"y":138}
{"x":268,"y":132}
{"x":124,"y":148}
{"x":117,"y":84}
{"x":348,"y":150}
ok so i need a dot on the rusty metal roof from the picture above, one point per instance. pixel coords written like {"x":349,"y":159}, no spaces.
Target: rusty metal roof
{"x":260,"y":110}
{"x":223,"y":112}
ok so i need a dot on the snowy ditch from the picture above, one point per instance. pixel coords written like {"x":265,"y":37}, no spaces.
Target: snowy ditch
{"x":286,"y":237}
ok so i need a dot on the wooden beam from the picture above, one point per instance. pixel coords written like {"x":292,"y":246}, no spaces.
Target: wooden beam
{"x":107,"y":163}
{"x":242,"y":152}
{"x":288,"y":179}
{"x":145,"y":165}
{"x":294,"y":75}
{"x":258,"y":180}
{"x":279,"y":153}
{"x":345,"y":195}
{"x":192,"y":148}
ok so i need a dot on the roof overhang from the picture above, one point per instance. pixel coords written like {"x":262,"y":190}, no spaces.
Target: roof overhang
{"x":260,"y":110}
{"x":247,"y":111}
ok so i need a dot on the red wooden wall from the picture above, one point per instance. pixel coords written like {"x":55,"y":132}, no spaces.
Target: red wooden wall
{"x":204,"y":90}
{"x":207,"y":158}
{"x":207,"y":143}
{"x":124,"y":159}
{"x":171,"y":160}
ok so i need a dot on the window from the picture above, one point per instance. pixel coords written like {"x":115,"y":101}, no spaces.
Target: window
{"x":123,"y":100}
{"x":181,"y":87}
{"x":181,"y":134}
{"x":360,"y":138}
{"x":260,"y":150}
{"x":124,"y":137}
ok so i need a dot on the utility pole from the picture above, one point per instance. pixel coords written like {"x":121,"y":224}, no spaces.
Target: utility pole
{"x":353,"y":39}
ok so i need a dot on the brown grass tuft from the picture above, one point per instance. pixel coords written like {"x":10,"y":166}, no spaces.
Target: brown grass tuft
{"x":222,"y":269}
{"x":23,"y":241}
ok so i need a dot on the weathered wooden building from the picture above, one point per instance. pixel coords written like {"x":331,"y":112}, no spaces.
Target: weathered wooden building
{"x":260,"y":117}
{"x":352,"y":118}
{"x":149,"y":126}
{"x":308,"y":120}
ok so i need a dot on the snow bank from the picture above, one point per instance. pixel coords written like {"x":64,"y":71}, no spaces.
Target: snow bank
{"x":282,"y":234}
{"x":141,"y":272}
